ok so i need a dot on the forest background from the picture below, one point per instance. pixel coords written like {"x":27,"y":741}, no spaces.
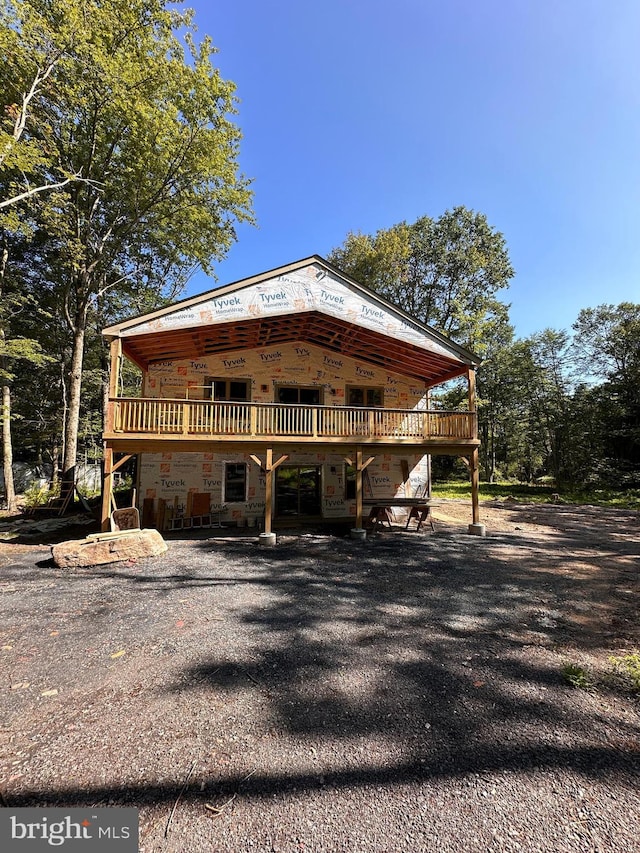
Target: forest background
{"x":119,"y":178}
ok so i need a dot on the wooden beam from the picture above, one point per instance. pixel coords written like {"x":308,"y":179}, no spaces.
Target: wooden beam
{"x":107,"y":488}
{"x":368,"y":462}
{"x":122,"y":461}
{"x":475,"y":483}
{"x":404,"y":467}
{"x":359,"y":488}
{"x":365,"y":464}
{"x":279,"y":462}
{"x":337,"y":335}
{"x":114,"y":380}
{"x":175,"y":442}
{"x":115,"y":365}
{"x":269,"y":467}
{"x":257,"y":460}
{"x":268,"y":498}
{"x":360,"y":467}
{"x":471,"y":380}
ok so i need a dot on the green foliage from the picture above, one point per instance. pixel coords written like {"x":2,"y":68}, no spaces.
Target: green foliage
{"x":607,"y":345}
{"x":533,"y":493}
{"x":146,"y":122}
{"x":36,"y":495}
{"x":577,"y":676}
{"x":628,"y":666}
{"x":608,"y":340}
{"x":132,"y":110}
{"x":494,"y":491}
{"x":445,"y":271}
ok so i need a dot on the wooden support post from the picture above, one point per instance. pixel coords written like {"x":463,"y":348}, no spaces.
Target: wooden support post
{"x":471,"y":378}
{"x":107,"y":488}
{"x":108,"y":499}
{"x":114,"y":381}
{"x":268,"y":467}
{"x":406,"y":482}
{"x":475,"y":504}
{"x":359,"y":489}
{"x":121,"y":462}
{"x":360,"y":467}
{"x":114,"y":372}
{"x":473,"y":459}
{"x":268,"y":503}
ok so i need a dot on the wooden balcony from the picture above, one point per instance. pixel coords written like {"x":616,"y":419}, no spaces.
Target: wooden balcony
{"x":191,"y":421}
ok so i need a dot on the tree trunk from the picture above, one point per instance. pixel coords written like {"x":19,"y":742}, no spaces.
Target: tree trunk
{"x":55,"y":466}
{"x":72,"y":419}
{"x":7,"y":451}
{"x":7,"y":448}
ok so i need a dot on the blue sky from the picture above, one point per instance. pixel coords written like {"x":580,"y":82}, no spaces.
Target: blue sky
{"x":359,"y":114}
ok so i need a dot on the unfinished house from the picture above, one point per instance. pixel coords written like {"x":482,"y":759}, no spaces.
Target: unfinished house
{"x":297,"y":396}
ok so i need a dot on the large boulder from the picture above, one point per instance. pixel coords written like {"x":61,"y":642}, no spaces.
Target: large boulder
{"x":101,"y":548}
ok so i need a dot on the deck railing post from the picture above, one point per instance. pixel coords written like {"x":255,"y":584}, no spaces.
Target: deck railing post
{"x":371,"y":424}
{"x":112,"y":415}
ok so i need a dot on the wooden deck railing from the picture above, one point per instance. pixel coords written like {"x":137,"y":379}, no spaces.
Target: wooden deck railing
{"x":200,"y":419}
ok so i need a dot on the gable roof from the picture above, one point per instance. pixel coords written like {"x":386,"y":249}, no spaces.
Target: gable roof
{"x":308,"y":300}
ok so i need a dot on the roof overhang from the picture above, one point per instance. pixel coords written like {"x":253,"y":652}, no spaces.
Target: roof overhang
{"x":321,"y":306}
{"x":312,"y":327}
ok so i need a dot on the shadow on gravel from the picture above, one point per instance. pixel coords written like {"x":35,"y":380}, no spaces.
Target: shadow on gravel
{"x":595,"y":763}
{"x":411,"y":645}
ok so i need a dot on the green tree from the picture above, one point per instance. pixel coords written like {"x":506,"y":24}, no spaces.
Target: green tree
{"x":16,"y":350}
{"x":607,"y":346}
{"x":549,"y":392}
{"x":135,"y":106}
{"x":446,"y":271}
{"x":23,"y":153}
{"x":494,"y":396}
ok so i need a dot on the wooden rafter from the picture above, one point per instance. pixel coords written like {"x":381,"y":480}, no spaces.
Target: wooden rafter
{"x":339,"y":336}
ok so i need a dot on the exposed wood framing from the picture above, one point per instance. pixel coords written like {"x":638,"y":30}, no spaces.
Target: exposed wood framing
{"x":314,"y":327}
{"x":109,"y":469}
{"x":471,"y":380}
{"x":114,"y":378}
{"x":473,"y":458}
{"x":107,"y":488}
{"x":404,"y":467}
{"x":114,"y":375}
{"x":269,"y":466}
{"x":475,"y":477}
{"x":360,"y":465}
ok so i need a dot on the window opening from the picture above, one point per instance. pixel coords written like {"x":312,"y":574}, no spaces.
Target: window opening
{"x":228,"y":390}
{"x":298,"y":395}
{"x":365,"y":396}
{"x":235,"y":482}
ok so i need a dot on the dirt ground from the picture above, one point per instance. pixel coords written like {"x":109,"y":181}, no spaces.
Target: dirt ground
{"x":405,"y":693}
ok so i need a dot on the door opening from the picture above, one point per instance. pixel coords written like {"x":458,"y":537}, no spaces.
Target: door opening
{"x":298,"y":491}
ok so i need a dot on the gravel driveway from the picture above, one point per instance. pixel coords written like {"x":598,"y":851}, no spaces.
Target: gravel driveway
{"x":402,"y":694}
